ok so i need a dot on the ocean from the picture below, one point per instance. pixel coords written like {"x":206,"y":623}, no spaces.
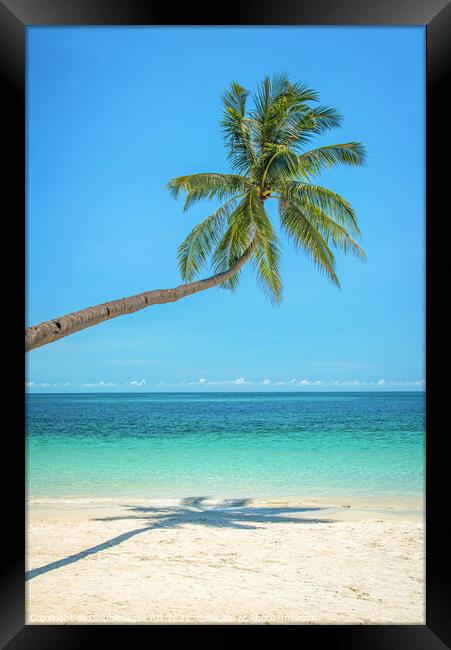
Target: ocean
{"x":249,"y":445}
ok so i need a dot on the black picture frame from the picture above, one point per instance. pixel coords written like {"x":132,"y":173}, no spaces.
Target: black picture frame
{"x":15,"y":16}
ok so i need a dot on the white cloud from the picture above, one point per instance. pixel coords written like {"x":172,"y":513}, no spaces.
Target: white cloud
{"x":206,"y":382}
{"x":99,"y":384}
{"x":240,"y":382}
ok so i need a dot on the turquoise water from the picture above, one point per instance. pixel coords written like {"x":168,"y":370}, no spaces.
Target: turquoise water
{"x":364,"y":445}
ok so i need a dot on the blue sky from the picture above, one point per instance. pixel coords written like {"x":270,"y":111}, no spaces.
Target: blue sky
{"x":114,"y":113}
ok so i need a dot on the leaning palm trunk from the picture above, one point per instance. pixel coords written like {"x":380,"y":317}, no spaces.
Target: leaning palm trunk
{"x":58,"y":328}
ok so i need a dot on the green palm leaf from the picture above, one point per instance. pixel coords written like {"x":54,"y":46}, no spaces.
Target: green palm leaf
{"x":332,"y":231}
{"x":237,"y":128}
{"x":207,"y":186}
{"x":323,"y":198}
{"x":320,"y":119}
{"x":193,"y":252}
{"x":234,"y":242}
{"x":280,"y":107}
{"x":294,"y":220}
{"x":313,"y":162}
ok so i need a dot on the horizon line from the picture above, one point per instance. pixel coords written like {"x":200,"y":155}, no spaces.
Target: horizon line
{"x":234,"y":392}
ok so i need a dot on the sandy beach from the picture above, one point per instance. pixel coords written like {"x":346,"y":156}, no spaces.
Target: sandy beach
{"x":282,"y":561}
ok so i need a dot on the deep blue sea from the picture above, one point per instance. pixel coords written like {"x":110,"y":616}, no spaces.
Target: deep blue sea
{"x":310,"y":445}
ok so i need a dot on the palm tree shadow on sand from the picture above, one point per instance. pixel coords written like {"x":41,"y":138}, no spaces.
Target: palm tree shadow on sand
{"x":230,"y":513}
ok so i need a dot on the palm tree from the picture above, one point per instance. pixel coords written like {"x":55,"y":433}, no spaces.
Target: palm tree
{"x":266,"y":149}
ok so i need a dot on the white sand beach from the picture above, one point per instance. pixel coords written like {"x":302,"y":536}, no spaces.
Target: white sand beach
{"x":237,"y":561}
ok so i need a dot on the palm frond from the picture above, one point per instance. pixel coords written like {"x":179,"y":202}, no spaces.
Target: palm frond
{"x":237,"y":237}
{"x":237,"y":128}
{"x":332,"y":231}
{"x":280,"y":163}
{"x":320,"y":119}
{"x":266,"y":261}
{"x":207,"y":186}
{"x":303,"y":92}
{"x":194,"y":251}
{"x":314,"y":161}
{"x":300,"y":123}
{"x":278,"y":89}
{"x":283,"y":163}
{"x":323,"y":198}
{"x":279,"y":107}
{"x":298,"y":227}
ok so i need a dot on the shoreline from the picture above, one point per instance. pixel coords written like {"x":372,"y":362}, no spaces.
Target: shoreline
{"x":405,"y":507}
